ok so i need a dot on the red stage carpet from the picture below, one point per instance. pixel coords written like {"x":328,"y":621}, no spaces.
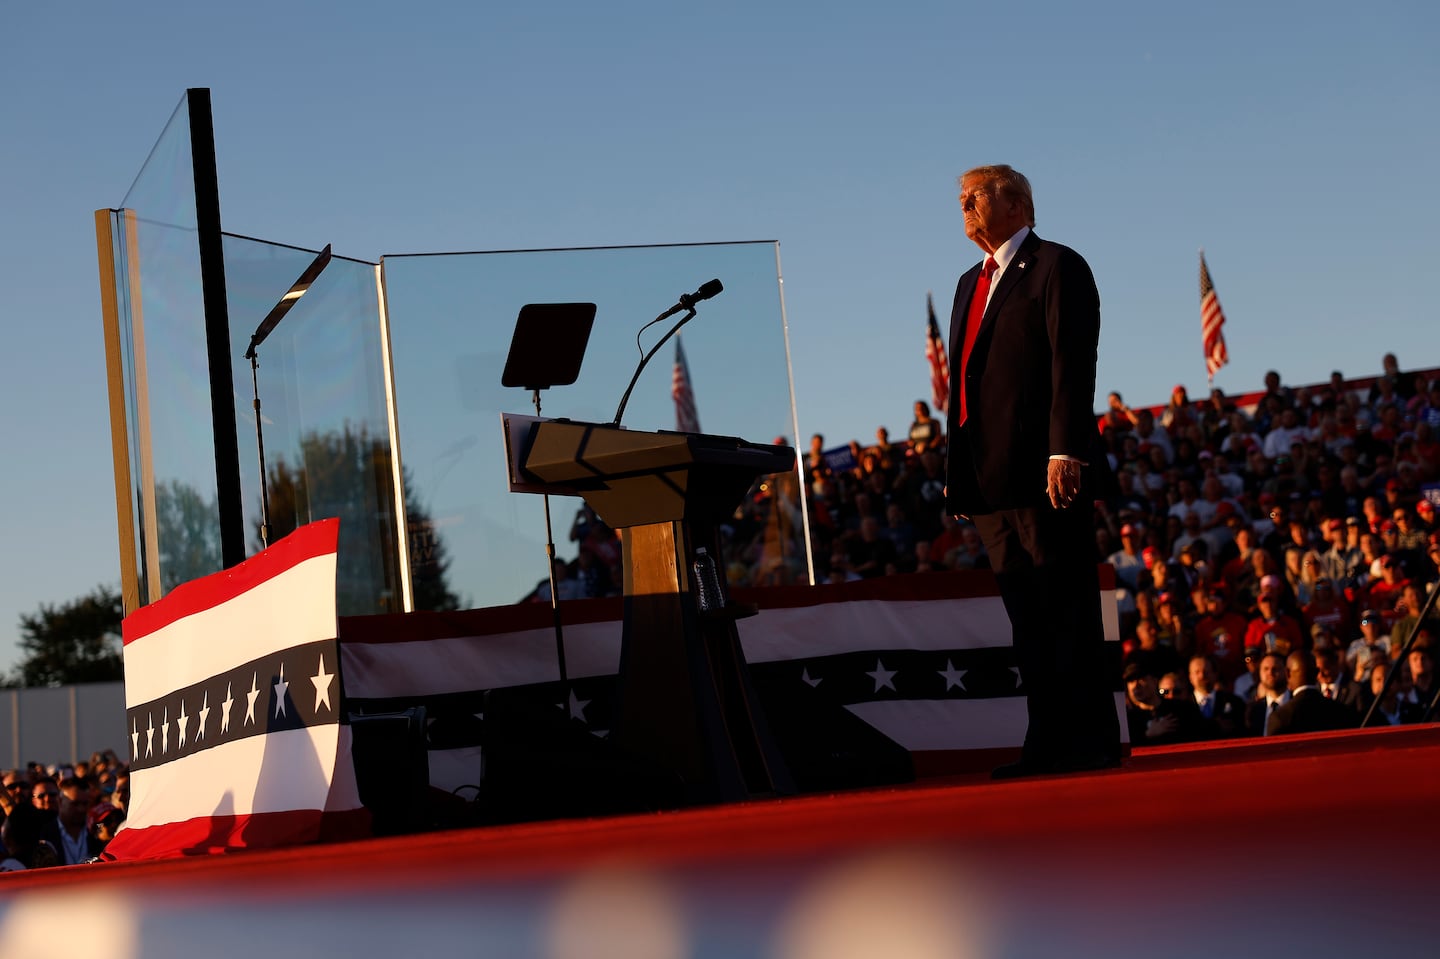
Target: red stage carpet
{"x":1319,"y":845}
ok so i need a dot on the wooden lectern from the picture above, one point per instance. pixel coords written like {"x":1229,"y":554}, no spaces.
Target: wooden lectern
{"x":686,"y":700}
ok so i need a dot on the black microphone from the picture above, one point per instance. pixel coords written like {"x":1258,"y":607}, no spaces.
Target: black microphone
{"x":688,"y":300}
{"x":687,"y":303}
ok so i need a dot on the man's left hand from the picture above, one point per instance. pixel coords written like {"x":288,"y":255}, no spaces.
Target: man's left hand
{"x":1063,"y":482}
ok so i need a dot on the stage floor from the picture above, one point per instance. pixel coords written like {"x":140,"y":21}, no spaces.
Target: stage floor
{"x":1322,"y":845}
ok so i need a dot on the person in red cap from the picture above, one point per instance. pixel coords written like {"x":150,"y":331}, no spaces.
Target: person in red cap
{"x":103,"y":821}
{"x":1425,"y":514}
{"x":1272,"y":629}
{"x":1385,"y":591}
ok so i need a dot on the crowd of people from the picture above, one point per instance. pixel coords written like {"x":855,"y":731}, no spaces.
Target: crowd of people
{"x":1261,"y":549}
{"x":61,"y":815}
{"x":1274,"y":568}
{"x":1274,"y":565}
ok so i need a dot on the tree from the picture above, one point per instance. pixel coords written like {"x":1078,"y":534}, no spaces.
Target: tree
{"x":429,"y":556}
{"x":347,"y":474}
{"x":188,"y":528}
{"x":77,"y":642}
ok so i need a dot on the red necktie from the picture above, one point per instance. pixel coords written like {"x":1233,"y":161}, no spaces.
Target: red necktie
{"x":972,"y":326}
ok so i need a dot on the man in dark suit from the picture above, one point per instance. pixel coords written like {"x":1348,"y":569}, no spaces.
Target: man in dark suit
{"x":1021,"y":434}
{"x":1308,"y":710}
{"x":1271,"y":693}
{"x":1223,"y":711}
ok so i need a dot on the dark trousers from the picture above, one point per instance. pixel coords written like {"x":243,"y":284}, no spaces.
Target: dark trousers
{"x":1044,"y":560}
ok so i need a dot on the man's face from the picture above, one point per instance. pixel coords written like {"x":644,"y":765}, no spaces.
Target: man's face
{"x":1409,"y":601}
{"x":1202,"y":677}
{"x":1142,"y":690}
{"x":1272,"y":674}
{"x":75,"y":807}
{"x":46,"y":797}
{"x":1420,"y":664}
{"x":991,"y":218}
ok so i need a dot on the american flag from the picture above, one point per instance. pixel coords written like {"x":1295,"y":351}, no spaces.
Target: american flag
{"x":687,"y":420}
{"x":926,"y":662}
{"x":232,"y":705}
{"x":1212,"y":319}
{"x":939,"y":366}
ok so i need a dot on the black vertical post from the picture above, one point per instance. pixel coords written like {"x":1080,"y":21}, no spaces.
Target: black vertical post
{"x":217,"y":327}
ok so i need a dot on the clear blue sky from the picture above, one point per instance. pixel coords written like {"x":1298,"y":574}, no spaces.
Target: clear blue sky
{"x":1295,"y":142}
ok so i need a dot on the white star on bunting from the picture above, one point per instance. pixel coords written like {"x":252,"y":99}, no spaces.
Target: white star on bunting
{"x":280,"y":689}
{"x":180,"y":724}
{"x":252,"y":695}
{"x":204,"y":713}
{"x":165,"y":731}
{"x":577,"y":706}
{"x":322,"y":682}
{"x":805,"y":677}
{"x":953,"y":676}
{"x":134,"y":738}
{"x":883,"y":677}
{"x":149,"y":734}
{"x":225,"y":711}
{"x":1016,"y":671}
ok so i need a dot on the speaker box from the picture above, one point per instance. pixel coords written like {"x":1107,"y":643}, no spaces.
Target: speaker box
{"x":538,"y":763}
{"x":392,"y":769}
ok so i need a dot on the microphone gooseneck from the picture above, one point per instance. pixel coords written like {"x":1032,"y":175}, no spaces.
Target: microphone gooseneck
{"x":687,"y":302}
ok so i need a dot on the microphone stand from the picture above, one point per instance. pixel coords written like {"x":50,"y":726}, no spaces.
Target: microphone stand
{"x":266,"y":327}
{"x":260,"y":445}
{"x":555,"y":595}
{"x":689,"y":315}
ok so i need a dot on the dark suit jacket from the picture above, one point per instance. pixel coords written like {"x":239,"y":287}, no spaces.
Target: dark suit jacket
{"x":1255,"y":716}
{"x":1227,"y":716}
{"x":1030,"y":383}
{"x":1308,"y":711}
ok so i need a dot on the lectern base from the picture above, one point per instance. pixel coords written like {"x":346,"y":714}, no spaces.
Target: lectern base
{"x":686,"y":700}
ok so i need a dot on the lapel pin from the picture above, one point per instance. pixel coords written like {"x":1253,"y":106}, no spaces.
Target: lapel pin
{"x":1021,"y":264}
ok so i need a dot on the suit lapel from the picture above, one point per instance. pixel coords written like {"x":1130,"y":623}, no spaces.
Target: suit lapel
{"x":1011,"y":278}
{"x":1013,"y":274}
